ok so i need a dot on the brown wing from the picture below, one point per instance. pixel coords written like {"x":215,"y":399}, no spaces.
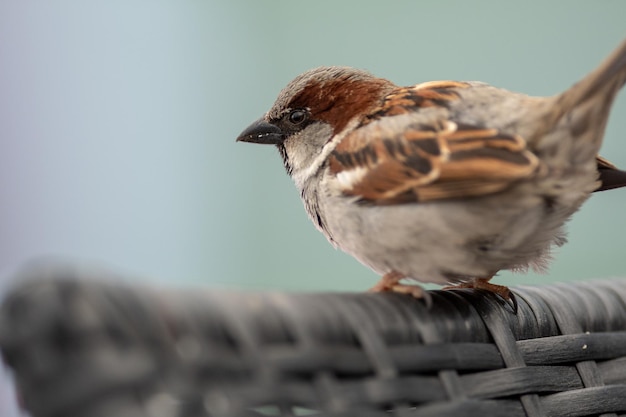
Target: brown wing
{"x":610,"y":176}
{"x":403,"y":161}
{"x":409,"y":99}
{"x":430,"y":162}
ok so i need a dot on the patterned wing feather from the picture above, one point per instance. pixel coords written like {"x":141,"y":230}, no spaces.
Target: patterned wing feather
{"x":426,"y":162}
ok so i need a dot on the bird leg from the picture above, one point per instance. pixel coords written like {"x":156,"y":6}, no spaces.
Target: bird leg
{"x":390,"y":282}
{"x":484,"y":284}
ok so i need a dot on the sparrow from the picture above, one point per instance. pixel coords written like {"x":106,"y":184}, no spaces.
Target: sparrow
{"x":444,"y":182}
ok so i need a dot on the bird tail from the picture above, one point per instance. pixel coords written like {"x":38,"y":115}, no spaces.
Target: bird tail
{"x":610,"y":176}
{"x":590,"y":97}
{"x":603,"y":83}
{"x":583,"y":110}
{"x":606,"y":80}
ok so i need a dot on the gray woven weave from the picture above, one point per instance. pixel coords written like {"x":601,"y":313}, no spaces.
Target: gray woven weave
{"x":92,"y":348}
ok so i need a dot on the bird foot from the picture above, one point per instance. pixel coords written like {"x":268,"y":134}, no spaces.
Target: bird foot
{"x":484,"y":284}
{"x":390,"y":282}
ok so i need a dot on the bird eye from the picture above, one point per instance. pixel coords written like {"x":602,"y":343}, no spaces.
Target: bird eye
{"x":297,"y":117}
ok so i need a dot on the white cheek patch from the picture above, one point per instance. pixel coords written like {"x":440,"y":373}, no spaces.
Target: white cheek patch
{"x":303,"y":172}
{"x":348,"y":178}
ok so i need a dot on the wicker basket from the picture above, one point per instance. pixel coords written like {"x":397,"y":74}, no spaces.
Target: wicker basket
{"x":91,"y":348}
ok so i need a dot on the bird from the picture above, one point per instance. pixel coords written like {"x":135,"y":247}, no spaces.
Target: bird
{"x":444,"y":182}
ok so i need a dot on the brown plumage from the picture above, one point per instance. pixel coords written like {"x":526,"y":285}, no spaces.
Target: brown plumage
{"x":444,"y":181}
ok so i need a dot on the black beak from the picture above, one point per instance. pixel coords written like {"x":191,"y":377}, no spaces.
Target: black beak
{"x":262,"y":132}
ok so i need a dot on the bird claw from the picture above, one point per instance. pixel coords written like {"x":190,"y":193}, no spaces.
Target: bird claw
{"x":390,"y":282}
{"x":483,"y":284}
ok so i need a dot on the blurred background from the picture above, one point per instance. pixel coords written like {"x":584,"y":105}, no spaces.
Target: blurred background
{"x":118,"y":123}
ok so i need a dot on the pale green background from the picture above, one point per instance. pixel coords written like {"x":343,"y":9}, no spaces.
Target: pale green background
{"x":118,"y":120}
